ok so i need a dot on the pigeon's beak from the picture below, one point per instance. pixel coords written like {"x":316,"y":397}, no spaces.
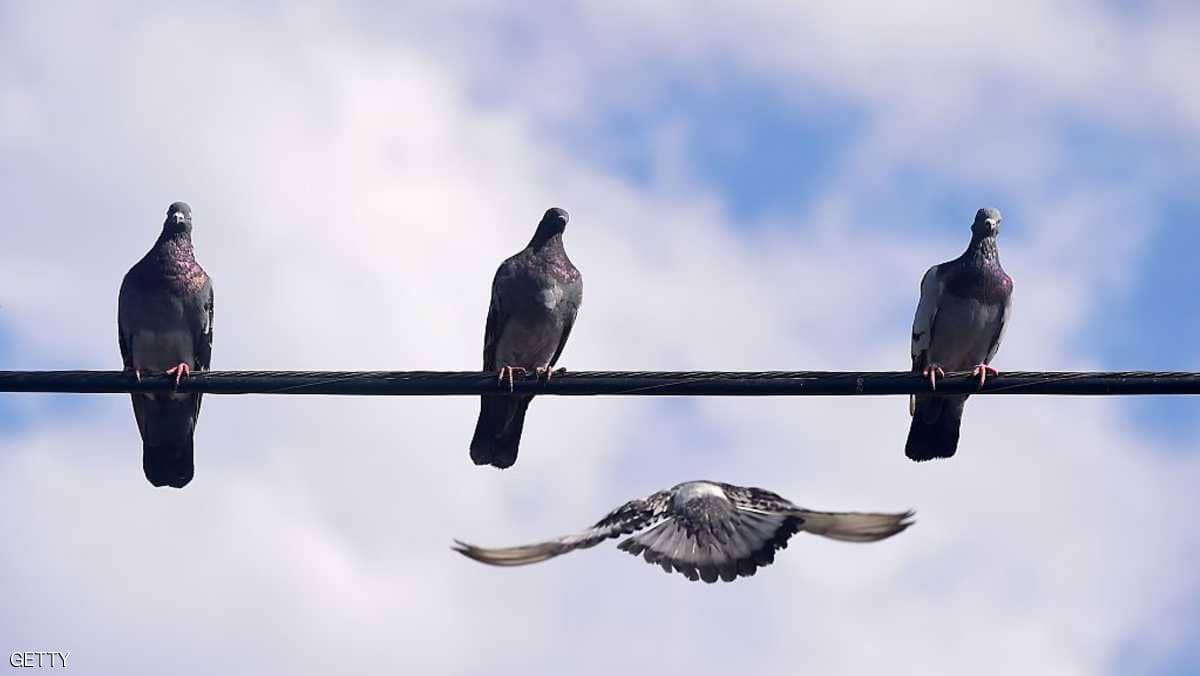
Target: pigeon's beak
{"x":992,"y":224}
{"x":179,"y":217}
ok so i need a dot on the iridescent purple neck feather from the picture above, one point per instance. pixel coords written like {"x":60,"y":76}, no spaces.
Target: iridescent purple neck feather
{"x":977,"y":273}
{"x":171,"y":262}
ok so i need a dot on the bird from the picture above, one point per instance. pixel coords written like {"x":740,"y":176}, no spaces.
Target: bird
{"x":963,"y":310}
{"x":536,"y":295}
{"x":165,"y":325}
{"x":704,"y":530}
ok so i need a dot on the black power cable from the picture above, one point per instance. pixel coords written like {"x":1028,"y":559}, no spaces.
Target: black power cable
{"x":581,"y":383}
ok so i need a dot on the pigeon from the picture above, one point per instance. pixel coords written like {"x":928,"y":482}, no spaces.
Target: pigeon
{"x":705,"y":530}
{"x":165,"y":325}
{"x":964,"y":307}
{"x":535,"y":297}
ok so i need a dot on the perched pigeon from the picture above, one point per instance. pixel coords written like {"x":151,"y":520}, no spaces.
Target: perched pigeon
{"x":165,"y":324}
{"x":535,"y":297}
{"x":704,"y":530}
{"x":965,"y":304}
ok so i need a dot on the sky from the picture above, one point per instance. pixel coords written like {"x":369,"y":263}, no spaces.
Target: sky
{"x":759,"y":187}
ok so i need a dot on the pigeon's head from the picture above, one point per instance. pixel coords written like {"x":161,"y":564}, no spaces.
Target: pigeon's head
{"x":553,"y":222}
{"x":179,"y":218}
{"x":987,"y":223}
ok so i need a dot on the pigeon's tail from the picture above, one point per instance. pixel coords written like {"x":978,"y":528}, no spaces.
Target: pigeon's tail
{"x":934,"y":429}
{"x":168,"y":424}
{"x":498,"y":431}
{"x":169,"y":465}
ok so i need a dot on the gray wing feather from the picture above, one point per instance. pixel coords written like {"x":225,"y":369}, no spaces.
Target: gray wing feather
{"x":201,"y":320}
{"x":927,"y":307}
{"x":497,"y":316}
{"x":760,"y":499}
{"x":735,"y":540}
{"x":922,"y":329}
{"x":562,"y":341}
{"x":127,"y":303}
{"x":633,"y":516}
{"x":571,"y":312}
{"x":1005,"y":312}
{"x":854,"y":526}
{"x":202,"y":327}
{"x":712,"y":539}
{"x":738,"y":545}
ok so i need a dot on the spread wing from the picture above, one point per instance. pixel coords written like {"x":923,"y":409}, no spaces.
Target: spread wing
{"x":845,"y":526}
{"x":758,"y":499}
{"x":633,"y":516}
{"x":854,"y":526}
{"x":923,"y":321}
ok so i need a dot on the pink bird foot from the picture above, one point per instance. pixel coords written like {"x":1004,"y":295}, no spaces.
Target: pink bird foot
{"x":181,"y":371}
{"x":983,"y":371}
{"x":509,"y":372}
{"x":544,"y":372}
{"x":932,"y":372}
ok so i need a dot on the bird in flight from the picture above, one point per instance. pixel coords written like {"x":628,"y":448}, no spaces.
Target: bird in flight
{"x":705,"y":530}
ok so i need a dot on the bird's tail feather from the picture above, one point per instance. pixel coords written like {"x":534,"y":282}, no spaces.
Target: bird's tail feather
{"x":168,"y":426}
{"x":498,"y":431}
{"x":169,"y":465}
{"x":933,"y":432}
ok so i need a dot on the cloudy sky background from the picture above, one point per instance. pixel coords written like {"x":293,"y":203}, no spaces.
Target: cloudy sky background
{"x":749,"y":190}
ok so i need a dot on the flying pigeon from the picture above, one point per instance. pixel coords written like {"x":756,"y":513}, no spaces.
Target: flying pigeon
{"x":165,"y":324}
{"x":705,"y":530}
{"x":964,"y":307}
{"x":535,"y":297}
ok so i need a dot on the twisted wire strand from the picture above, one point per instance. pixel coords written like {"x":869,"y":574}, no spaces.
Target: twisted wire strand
{"x":622,"y":383}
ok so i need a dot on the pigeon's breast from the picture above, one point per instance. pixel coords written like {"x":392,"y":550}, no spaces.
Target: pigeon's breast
{"x":529,"y":342}
{"x":551,"y":295}
{"x":986,"y":282}
{"x":541,"y":301}
{"x":161,"y":349}
{"x":963,"y":332}
{"x":158,"y":331}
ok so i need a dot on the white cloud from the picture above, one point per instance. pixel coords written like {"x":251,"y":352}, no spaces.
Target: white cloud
{"x":352,"y":201}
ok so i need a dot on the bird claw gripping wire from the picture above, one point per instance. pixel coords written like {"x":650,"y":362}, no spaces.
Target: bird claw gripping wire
{"x":545,"y":372}
{"x":508,"y":372}
{"x":932,"y":372}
